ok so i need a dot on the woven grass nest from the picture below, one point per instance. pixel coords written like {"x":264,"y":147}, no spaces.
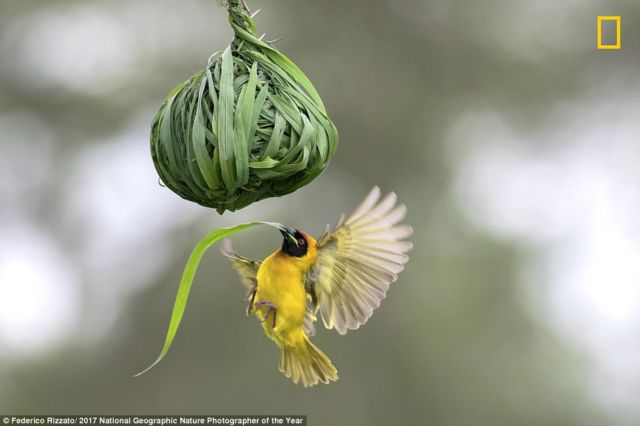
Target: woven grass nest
{"x":247,"y":127}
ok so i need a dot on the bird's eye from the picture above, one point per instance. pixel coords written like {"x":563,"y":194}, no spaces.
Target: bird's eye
{"x":301,"y":242}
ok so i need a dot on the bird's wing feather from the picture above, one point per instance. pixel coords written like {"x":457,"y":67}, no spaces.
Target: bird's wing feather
{"x":246,"y":268}
{"x":309,"y":319}
{"x":358,"y":261}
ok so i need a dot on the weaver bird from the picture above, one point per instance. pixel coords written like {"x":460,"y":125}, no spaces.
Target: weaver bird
{"x":344,"y":275}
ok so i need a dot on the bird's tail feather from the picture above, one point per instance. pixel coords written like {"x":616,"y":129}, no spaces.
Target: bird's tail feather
{"x":306,"y":363}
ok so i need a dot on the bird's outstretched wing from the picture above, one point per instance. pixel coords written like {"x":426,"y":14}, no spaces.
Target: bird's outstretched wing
{"x":246,"y":268}
{"x":358,"y":261}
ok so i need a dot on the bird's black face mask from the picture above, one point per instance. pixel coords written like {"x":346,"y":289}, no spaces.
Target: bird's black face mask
{"x":294,"y":243}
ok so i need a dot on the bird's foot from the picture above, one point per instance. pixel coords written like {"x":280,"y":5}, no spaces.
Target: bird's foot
{"x":272,"y":308}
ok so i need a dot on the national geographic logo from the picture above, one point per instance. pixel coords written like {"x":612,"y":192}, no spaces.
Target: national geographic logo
{"x":609,"y":33}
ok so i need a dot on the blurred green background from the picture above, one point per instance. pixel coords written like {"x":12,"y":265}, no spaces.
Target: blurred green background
{"x":514,"y":142}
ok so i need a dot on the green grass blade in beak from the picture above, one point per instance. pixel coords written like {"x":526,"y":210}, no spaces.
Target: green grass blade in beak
{"x":188,"y":275}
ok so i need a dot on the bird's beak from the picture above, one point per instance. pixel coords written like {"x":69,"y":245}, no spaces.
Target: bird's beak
{"x":290,"y":234}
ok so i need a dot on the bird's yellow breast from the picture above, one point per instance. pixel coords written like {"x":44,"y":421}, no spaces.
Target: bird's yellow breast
{"x":281,"y":281}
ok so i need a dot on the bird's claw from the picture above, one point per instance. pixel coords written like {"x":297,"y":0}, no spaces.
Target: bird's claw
{"x":272,"y":308}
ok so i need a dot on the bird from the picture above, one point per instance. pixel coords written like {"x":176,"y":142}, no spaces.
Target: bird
{"x":342,"y":276}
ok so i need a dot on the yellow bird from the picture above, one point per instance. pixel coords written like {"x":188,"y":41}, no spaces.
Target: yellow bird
{"x":344,"y":275}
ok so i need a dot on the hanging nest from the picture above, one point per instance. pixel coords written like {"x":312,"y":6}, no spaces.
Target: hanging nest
{"x":249,"y":126}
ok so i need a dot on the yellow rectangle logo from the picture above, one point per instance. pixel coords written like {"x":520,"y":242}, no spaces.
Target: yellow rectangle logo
{"x":618,"y":44}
